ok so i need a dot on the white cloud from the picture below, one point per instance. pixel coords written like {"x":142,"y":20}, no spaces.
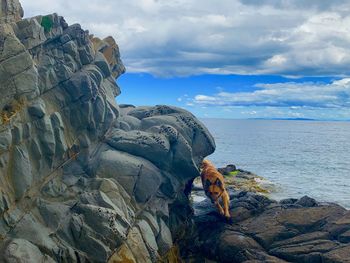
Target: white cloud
{"x":292,"y":95}
{"x":184,"y":37}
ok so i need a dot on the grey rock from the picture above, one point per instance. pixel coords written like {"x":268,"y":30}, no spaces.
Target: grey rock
{"x":119,"y":197}
{"x":10,"y":11}
{"x":164,"y":238}
{"x":46,"y":138}
{"x":65,"y":38}
{"x":153,"y":147}
{"x":12,"y":217}
{"x":5,"y":140}
{"x":86,"y":55}
{"x":30,"y":33}
{"x":80,"y":87}
{"x":11,"y":46}
{"x":149,"y":239}
{"x":4,"y":202}
{"x":228,"y":169}
{"x":17,"y":133}
{"x":53,"y":213}
{"x":152,"y":222}
{"x":137,"y":246}
{"x":268,"y":231}
{"x":31,"y":229}
{"x":100,"y":61}
{"x":15,"y":65}
{"x":22,"y":251}
{"x":147,"y":184}
{"x":134,"y":123}
{"x":306,"y":201}
{"x":92,"y":245}
{"x":54,"y":188}
{"x":37,"y":109}
{"x":123,"y":126}
{"x":105,"y":221}
{"x":58,"y":128}
{"x":21,"y":174}
{"x":35,"y":151}
{"x":70,"y":47}
{"x":121,"y":166}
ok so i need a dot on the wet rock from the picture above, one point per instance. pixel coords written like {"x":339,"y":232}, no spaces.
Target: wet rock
{"x":306,"y":201}
{"x":228,"y":169}
{"x":267,"y":231}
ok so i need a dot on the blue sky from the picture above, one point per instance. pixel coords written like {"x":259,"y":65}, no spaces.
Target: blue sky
{"x":215,"y":96}
{"x":226,"y":58}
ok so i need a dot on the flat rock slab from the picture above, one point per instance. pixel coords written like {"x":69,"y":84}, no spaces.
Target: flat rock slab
{"x":262,"y":230}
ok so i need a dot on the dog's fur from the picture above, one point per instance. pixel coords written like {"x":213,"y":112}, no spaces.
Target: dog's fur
{"x":214,"y":187}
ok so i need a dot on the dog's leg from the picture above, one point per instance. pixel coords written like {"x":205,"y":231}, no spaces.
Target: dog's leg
{"x":219,"y":207}
{"x":226,"y":201}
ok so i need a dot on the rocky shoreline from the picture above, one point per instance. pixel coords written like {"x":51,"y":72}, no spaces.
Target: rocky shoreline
{"x":264,"y":230}
{"x":83,"y":179}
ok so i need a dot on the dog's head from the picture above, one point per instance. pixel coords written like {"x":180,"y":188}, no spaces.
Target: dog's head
{"x":213,"y":190}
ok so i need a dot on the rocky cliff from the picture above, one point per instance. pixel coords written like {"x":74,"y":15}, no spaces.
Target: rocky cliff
{"x":85,"y":180}
{"x":82,"y":179}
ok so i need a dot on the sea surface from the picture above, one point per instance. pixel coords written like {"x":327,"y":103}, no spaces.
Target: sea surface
{"x":299,"y":157}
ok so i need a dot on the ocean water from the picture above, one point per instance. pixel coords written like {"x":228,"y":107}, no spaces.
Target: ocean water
{"x":299,"y":157}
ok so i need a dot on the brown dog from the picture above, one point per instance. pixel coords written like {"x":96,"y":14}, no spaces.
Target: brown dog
{"x":214,"y":187}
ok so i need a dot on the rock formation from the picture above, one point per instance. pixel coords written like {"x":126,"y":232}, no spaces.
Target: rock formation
{"x":85,"y":180}
{"x":292,"y":230}
{"x":82,"y":180}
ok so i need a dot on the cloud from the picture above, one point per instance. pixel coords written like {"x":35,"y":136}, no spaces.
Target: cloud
{"x":292,"y":95}
{"x":192,"y":37}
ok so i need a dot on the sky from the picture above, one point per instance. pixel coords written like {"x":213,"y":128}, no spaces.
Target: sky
{"x":225,"y":58}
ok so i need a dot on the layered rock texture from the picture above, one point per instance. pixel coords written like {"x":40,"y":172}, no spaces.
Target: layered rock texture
{"x":81,"y":179}
{"x":262,"y":230}
{"x":85,"y":180}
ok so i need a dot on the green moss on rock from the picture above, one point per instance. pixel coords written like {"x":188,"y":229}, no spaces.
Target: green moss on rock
{"x":47,"y":23}
{"x":233,"y":173}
